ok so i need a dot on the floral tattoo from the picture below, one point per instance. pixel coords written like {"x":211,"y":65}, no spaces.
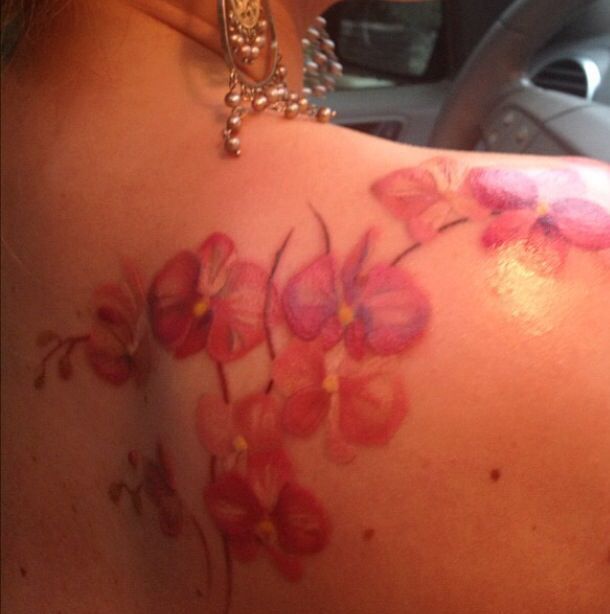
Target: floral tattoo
{"x":350,"y":321}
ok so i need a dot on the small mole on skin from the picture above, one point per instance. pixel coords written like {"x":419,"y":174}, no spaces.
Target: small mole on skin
{"x":24,"y":572}
{"x":368,"y":534}
{"x":34,"y":458}
{"x":495,"y":474}
{"x":73,"y":508}
{"x":198,"y":593}
{"x":534,"y":527}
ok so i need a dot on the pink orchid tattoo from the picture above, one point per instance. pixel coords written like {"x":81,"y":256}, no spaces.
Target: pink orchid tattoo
{"x":209,"y":299}
{"x":544,"y":210}
{"x":118,"y":347}
{"x":378,"y":309}
{"x":364,"y":402}
{"x":266,"y":510}
{"x":427,"y":196}
{"x":229,"y":431}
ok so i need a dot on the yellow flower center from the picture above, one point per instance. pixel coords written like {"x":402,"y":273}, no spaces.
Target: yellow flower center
{"x":201,"y":307}
{"x":265,"y":530}
{"x":331,"y":383}
{"x":542,"y":209}
{"x":240,"y":444}
{"x":345,"y":314}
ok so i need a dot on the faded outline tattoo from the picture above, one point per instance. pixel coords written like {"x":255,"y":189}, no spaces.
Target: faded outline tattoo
{"x":348,"y":320}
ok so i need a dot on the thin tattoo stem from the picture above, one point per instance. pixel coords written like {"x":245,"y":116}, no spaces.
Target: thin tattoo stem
{"x":224,"y":385}
{"x":229,"y":571}
{"x":69,"y":343}
{"x":206,"y":552}
{"x":269,"y":294}
{"x":225,"y":549}
{"x":213,"y":469}
{"x":72,"y":342}
{"x":416,"y":246}
{"x":131,"y":491}
{"x":268,"y":300}
{"x":324,"y":227}
{"x":116,"y":490}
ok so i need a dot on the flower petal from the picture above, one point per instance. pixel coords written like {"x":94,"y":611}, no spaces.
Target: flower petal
{"x":467,"y":206}
{"x":288,"y":565}
{"x":115,"y":333}
{"x":556,"y":183}
{"x":304,"y":411}
{"x":355,"y":339}
{"x":238,"y":322}
{"x":502,"y":189}
{"x":509,"y":226}
{"x":256,"y":418}
{"x":448,"y":173}
{"x":331,"y":333}
{"x":196,"y":335}
{"x":373,"y":402}
{"x":425,"y":226}
{"x":107,"y":356}
{"x":407,"y":192}
{"x":171,"y":518}
{"x":351,"y":270}
{"x":310,"y":298}
{"x":134,"y":284}
{"x":171,"y":298}
{"x":214,"y":254}
{"x":395,"y":312}
{"x":215,"y":425}
{"x":584,"y":223}
{"x":113,"y":306}
{"x":301,"y":521}
{"x":233,"y":506}
{"x":299,"y":366}
{"x":267,"y":474}
{"x":337,"y":449}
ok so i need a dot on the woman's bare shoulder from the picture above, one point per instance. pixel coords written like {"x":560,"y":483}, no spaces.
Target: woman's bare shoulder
{"x":385,"y":369}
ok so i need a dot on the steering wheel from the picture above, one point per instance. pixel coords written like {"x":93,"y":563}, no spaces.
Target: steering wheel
{"x":491,"y":100}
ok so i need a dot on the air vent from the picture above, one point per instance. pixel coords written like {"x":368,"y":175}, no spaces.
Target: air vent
{"x":567,"y":76}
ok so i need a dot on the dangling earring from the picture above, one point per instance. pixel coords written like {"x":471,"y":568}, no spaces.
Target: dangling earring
{"x":321,"y":63}
{"x":248,"y":35}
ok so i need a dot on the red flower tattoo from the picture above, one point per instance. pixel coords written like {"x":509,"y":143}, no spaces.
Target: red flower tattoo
{"x":160,"y":486}
{"x":266,"y":510}
{"x":363,"y":401}
{"x":545,"y":211}
{"x":379,"y":309}
{"x":209,"y":299}
{"x":231,"y":430}
{"x":118,"y":346}
{"x":427,"y":196}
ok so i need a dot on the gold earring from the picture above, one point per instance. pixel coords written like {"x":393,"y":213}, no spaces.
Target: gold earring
{"x":248,"y":34}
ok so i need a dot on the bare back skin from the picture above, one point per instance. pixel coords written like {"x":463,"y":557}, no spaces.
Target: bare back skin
{"x":488,"y":492}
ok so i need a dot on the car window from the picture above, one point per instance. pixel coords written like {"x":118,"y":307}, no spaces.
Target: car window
{"x":384,"y":43}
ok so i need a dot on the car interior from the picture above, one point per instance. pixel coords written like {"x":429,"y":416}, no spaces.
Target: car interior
{"x":511,"y":76}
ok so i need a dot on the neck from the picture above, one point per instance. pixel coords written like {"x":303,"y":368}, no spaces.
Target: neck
{"x":199,"y":22}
